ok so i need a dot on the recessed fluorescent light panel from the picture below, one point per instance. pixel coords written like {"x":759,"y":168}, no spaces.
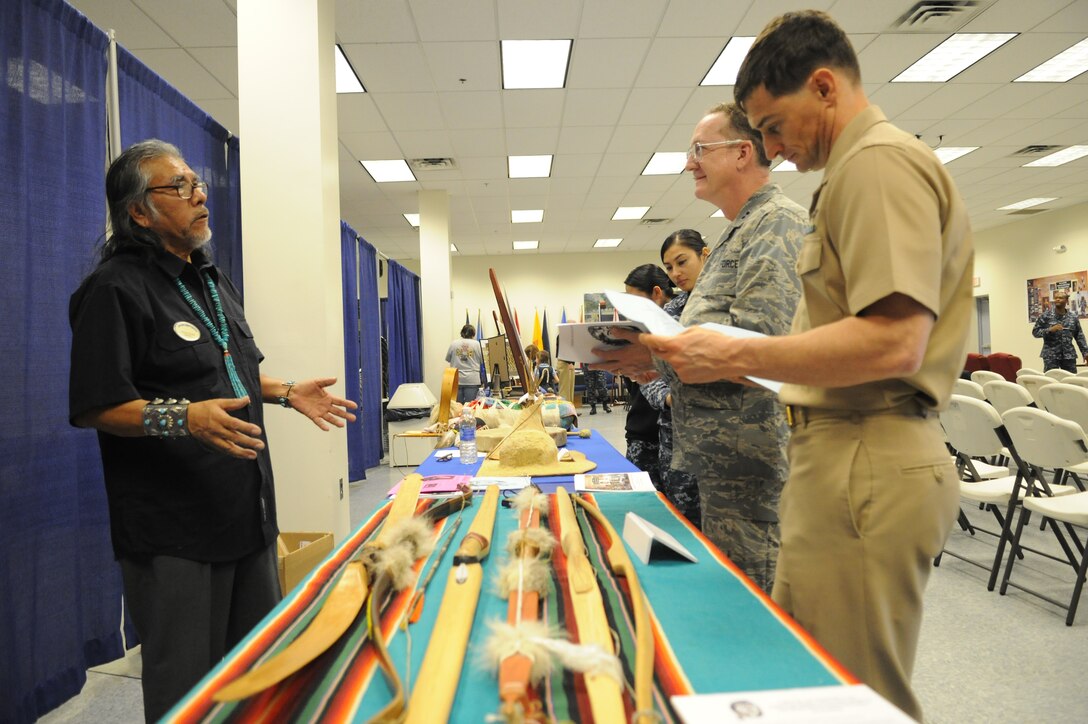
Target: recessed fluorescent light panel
{"x":952,"y":57}
{"x":346,"y":79}
{"x":388,"y":171}
{"x":785,"y":166}
{"x":1026,"y":204}
{"x":526,"y":216}
{"x":666,"y":163}
{"x":1059,"y":157}
{"x":1060,"y":68}
{"x":625,"y":213}
{"x":719,"y":214}
{"x":606,"y":243}
{"x":523,"y":245}
{"x":530,"y":166}
{"x":725,"y":68}
{"x":950,"y":153}
{"x":453,"y":247}
{"x":412,"y":219}
{"x":534,"y":63}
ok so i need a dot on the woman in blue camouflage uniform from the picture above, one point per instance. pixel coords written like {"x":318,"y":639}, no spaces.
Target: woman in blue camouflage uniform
{"x":683,"y":254}
{"x":642,"y":428}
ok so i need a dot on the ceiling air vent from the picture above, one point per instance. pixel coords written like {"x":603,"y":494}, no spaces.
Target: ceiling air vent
{"x":929,"y":16}
{"x":654,"y":222}
{"x":432,"y":164}
{"x":1035,"y":150}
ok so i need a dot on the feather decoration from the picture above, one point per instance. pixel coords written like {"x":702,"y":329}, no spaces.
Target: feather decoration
{"x":409,"y":540}
{"x":546,"y":647}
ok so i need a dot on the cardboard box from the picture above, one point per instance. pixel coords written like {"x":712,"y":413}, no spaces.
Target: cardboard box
{"x":298,"y":554}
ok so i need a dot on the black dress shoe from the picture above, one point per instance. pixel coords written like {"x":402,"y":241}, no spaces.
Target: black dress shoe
{"x":593,"y":410}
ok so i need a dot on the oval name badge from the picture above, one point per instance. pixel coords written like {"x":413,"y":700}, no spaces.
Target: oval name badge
{"x":187,"y":331}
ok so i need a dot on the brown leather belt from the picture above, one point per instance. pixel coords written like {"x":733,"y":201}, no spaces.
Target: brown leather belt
{"x":797,"y":415}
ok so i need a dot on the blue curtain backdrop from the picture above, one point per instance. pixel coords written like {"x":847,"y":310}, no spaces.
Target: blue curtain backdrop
{"x":60,"y":589}
{"x":349,"y":261}
{"x":152,"y":108}
{"x":405,"y":327}
{"x":371,"y":344}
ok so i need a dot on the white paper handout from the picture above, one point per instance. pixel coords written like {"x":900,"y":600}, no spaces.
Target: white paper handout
{"x":657,"y":321}
{"x":856,"y":704}
{"x":613,"y":482}
{"x":577,"y":339}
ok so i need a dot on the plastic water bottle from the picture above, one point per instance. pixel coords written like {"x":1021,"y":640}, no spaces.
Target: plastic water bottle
{"x":467,"y":447}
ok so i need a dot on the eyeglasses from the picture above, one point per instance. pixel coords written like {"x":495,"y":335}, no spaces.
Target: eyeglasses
{"x":695,"y":153}
{"x":185,"y":189}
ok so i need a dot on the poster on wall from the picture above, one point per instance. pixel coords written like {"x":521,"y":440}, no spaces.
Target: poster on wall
{"x":597,"y":308}
{"x":1042,"y":289}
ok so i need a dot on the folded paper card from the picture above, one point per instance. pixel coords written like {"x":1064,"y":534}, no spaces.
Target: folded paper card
{"x":613,"y":482}
{"x":647,"y":540}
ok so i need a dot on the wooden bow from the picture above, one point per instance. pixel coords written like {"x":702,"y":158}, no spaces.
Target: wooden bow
{"x":441,"y":667}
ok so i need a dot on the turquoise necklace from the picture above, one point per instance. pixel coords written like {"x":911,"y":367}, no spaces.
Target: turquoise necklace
{"x":220,"y":335}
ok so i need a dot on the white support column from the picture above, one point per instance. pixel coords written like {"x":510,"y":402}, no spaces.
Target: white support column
{"x":291,"y":240}
{"x":434,"y":274}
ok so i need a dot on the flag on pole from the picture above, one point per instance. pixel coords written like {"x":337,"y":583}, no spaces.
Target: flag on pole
{"x":538,"y":339}
{"x":544,"y":334}
{"x":517,"y":322}
{"x":480,"y":338}
{"x":564,"y":318}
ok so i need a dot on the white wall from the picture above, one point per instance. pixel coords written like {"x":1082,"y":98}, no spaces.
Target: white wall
{"x":1007,"y":256}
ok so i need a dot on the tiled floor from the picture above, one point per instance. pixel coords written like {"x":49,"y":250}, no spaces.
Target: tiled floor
{"x":982,"y":657}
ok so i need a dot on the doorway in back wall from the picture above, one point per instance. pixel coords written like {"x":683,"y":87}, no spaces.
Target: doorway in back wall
{"x":982,"y":314}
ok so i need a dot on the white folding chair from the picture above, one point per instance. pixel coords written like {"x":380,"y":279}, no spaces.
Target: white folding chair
{"x":1032,"y":383}
{"x":984,"y":376}
{"x":1058,"y":373}
{"x":974,"y":429}
{"x":1077,"y":380}
{"x":1028,"y":371}
{"x":1004,"y":395}
{"x":1069,"y":402}
{"x":1045,"y":440}
{"x":1082,"y":373}
{"x":968,"y":388}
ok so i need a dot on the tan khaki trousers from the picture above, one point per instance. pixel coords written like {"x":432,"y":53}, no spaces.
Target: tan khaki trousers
{"x":869,"y":503}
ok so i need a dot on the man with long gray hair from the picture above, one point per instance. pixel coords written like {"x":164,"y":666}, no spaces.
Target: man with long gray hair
{"x":164,"y":367}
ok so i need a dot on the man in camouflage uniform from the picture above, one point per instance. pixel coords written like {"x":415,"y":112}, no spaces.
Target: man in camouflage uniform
{"x":731,"y":436}
{"x":1058,"y":327}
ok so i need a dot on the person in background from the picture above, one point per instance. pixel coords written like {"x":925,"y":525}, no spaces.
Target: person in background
{"x":165,"y":368}
{"x":597,"y":390}
{"x":642,"y":428}
{"x":544,"y":374}
{"x":1059,"y":327}
{"x":466,"y":355}
{"x":877,"y":343}
{"x":730,"y":435}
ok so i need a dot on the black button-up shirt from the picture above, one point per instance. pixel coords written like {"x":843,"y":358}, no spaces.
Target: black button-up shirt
{"x":169,"y":496}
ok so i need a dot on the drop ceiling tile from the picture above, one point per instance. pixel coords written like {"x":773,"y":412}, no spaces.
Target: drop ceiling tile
{"x":222,"y":63}
{"x":570,"y":165}
{"x":196,"y":23}
{"x":464,"y":67}
{"x":597,"y":107}
{"x":478,"y":142}
{"x":133,"y":28}
{"x":1070,"y":19}
{"x":390,"y":67}
{"x":645,"y":140}
{"x":679,"y":62}
{"x":892,"y":53}
{"x":471,"y":110}
{"x":947,"y":99}
{"x":438,"y":21}
{"x":374,"y":21}
{"x":648,"y":106}
{"x":532,"y":141}
{"x":606,"y":62}
{"x":410,"y":111}
{"x":533,"y":108}
{"x":683,"y":18}
{"x":553,"y":20}
{"x":184,"y":73}
{"x":356,"y":113}
{"x":762,"y":12}
{"x":583,"y":139}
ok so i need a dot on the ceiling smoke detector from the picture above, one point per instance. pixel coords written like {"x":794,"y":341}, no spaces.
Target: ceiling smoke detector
{"x":432,"y":164}
{"x":929,"y":16}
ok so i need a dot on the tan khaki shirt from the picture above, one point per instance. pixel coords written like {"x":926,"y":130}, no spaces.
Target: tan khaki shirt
{"x":887,"y":218}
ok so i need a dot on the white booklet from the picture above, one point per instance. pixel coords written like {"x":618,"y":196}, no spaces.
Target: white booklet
{"x":613,"y":482}
{"x":578,"y":339}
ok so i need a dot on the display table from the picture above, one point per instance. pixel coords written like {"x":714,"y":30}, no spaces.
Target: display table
{"x":715,"y":631}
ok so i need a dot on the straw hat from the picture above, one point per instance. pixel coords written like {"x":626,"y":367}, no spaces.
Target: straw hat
{"x":529,"y":450}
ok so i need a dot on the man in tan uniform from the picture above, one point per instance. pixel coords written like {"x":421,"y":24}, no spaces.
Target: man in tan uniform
{"x":877,"y":341}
